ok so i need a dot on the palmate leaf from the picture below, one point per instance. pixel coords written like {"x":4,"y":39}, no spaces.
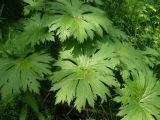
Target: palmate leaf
{"x":33,"y":5}
{"x":140,"y":98}
{"x":37,"y":30}
{"x":22,"y":74}
{"x":131,"y":59}
{"x":84,"y":78}
{"x":151,"y":56}
{"x":74,"y":18}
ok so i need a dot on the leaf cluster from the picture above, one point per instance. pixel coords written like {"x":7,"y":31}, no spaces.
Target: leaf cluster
{"x":95,"y":60}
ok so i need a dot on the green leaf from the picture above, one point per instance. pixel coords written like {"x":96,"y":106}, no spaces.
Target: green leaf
{"x":151,"y":56}
{"x":83,"y":78}
{"x":33,"y":5}
{"x":74,"y":18}
{"x":140,"y":98}
{"x":23,"y":114}
{"x":99,"y":2}
{"x":131,"y":59}
{"x":36,"y":30}
{"x":22,"y":73}
{"x":30,"y":100}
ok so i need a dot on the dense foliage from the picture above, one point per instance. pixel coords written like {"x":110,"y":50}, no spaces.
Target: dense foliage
{"x":88,"y":59}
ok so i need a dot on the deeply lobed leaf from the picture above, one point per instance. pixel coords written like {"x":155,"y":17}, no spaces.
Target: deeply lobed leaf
{"x":33,"y":5}
{"x":74,"y":18}
{"x":36,"y":30}
{"x":83,"y":78}
{"x":22,"y":74}
{"x":140,"y":98}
